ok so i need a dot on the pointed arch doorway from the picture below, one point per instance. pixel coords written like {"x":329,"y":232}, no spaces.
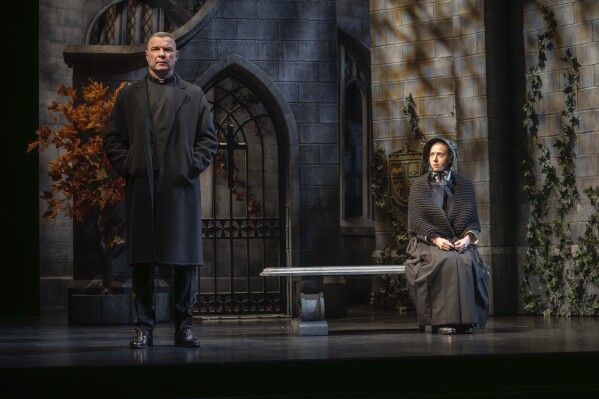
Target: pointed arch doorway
{"x":243,"y":204}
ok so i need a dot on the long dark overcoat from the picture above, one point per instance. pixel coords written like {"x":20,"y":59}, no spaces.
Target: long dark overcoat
{"x":163,"y":220}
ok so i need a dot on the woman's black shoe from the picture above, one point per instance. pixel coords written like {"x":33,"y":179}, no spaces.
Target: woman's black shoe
{"x":445,"y":330}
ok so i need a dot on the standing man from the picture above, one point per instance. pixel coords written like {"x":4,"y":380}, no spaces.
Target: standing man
{"x":160,"y":138}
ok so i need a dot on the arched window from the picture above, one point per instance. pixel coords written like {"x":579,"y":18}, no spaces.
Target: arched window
{"x":355,"y":132}
{"x":131,"y":22}
{"x":353,"y":163}
{"x":117,"y":25}
{"x":119,"y":30}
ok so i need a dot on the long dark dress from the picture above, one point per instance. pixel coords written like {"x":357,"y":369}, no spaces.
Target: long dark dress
{"x":447,"y":287}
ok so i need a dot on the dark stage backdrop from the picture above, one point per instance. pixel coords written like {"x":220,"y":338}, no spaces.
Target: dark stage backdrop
{"x":19,"y":256}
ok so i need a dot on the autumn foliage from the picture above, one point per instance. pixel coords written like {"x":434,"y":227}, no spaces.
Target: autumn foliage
{"x":82,"y":179}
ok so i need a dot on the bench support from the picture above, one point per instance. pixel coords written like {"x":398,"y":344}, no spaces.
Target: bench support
{"x":311,"y":318}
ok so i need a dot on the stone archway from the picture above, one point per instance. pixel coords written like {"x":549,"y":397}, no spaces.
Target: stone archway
{"x":249,"y":198}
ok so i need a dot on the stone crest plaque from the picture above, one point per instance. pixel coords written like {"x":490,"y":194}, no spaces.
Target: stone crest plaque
{"x":405,"y":166}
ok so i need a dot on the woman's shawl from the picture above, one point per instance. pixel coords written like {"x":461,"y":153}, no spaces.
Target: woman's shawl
{"x":425,"y":218}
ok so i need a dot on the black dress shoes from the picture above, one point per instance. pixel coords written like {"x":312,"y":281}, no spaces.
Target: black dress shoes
{"x":142,"y":339}
{"x":186,"y":339}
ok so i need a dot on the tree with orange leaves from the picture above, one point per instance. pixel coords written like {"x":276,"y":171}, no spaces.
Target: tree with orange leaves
{"x":83,"y":182}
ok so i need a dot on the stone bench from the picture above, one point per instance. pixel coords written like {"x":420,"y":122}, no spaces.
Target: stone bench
{"x":311,"y":320}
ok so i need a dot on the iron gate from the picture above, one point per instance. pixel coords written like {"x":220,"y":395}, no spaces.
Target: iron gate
{"x":242,"y":205}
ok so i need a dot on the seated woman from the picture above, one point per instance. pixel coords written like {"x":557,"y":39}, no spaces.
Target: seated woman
{"x":446,"y":276}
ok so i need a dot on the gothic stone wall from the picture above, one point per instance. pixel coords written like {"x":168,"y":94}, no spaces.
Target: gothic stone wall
{"x":353,"y":16}
{"x":293,"y":42}
{"x":61,"y":22}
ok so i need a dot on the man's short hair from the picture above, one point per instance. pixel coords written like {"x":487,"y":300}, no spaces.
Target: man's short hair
{"x":161,"y":34}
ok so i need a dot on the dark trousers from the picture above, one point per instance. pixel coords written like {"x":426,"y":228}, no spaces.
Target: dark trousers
{"x":183,"y":292}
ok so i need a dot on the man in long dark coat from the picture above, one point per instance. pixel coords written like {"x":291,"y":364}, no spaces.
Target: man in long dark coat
{"x":160,"y":138}
{"x":446,"y":276}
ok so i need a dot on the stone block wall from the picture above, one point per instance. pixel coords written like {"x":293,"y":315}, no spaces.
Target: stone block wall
{"x":61,"y":22}
{"x":412,"y":53}
{"x":353,"y":16}
{"x":293,"y":42}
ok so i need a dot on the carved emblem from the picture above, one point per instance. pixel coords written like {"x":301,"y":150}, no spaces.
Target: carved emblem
{"x":405,"y":166}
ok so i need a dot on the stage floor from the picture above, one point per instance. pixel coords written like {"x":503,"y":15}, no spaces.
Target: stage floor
{"x":368,"y":354}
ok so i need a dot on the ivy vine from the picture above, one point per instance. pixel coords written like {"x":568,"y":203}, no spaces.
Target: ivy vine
{"x":583,"y":277}
{"x":553,"y":281}
{"x":409,"y":110}
{"x":378,"y":182}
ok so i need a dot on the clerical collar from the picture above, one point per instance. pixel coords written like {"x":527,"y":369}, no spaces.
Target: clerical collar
{"x":166,"y":81}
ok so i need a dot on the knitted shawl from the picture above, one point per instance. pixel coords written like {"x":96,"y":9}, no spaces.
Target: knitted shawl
{"x":425,"y":218}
